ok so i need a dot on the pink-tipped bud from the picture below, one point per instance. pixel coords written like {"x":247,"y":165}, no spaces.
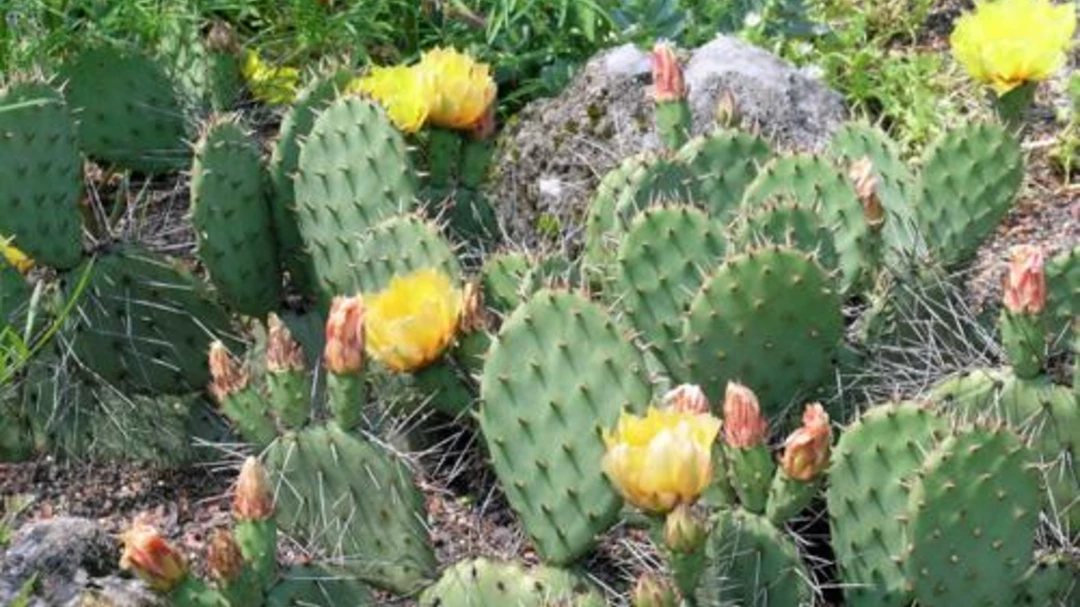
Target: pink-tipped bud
{"x":282,"y":352}
{"x":151,"y":557}
{"x":227,"y":375}
{"x":344,"y":353}
{"x":806,"y":450}
{"x":668,"y":83}
{"x":744,"y":427}
{"x":653,"y":591}
{"x":866,"y":183}
{"x":253,"y":501}
{"x":1025,"y":283}
{"x":474,"y":315}
{"x":684,"y":531}
{"x":687,"y":398}
{"x":223,"y":558}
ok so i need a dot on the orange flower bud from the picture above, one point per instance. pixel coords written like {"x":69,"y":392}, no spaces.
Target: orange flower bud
{"x":806,"y":450}
{"x":253,"y":501}
{"x":668,"y":83}
{"x":344,"y":351}
{"x":282,"y":351}
{"x":744,"y":427}
{"x":866,"y":183}
{"x":228,"y":377}
{"x":223,"y":558}
{"x":1025,"y":283}
{"x":152,"y":558}
{"x":687,"y":398}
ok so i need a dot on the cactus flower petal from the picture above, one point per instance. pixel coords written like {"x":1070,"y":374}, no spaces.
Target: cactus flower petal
{"x":254,"y":499}
{"x":806,"y":450}
{"x":411,"y":323}
{"x":668,"y":82}
{"x":344,"y":352}
{"x":1025,"y":283}
{"x":152,"y":558}
{"x":687,"y":398}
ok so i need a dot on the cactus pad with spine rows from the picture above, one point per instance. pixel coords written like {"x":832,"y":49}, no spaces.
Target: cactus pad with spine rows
{"x":722,"y":165}
{"x":769,"y":319}
{"x":787,"y":224}
{"x":353,"y":173}
{"x":232,"y":218}
{"x":601,"y":236}
{"x":401,"y":245}
{"x":546,"y":400}
{"x":41,"y":170}
{"x":14,"y":295}
{"x":482,"y":583}
{"x":659,"y":181}
{"x":662,"y":263}
{"x":304,"y":585}
{"x":1063,"y":287}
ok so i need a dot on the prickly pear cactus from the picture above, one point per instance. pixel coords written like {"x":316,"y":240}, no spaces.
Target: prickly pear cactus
{"x":544,"y":432}
{"x":232,"y":218}
{"x":312,"y":585}
{"x":787,"y":224}
{"x":752,"y":564}
{"x":659,"y":181}
{"x":353,"y":173}
{"x":661,"y":265}
{"x":968,"y":183}
{"x":769,"y":319}
{"x":144,"y":323}
{"x":401,"y":245}
{"x":129,"y":111}
{"x":1063,"y":287}
{"x":482,"y":582}
{"x":974,"y":511}
{"x":723,"y":165}
{"x":870,"y":473}
{"x":1050,"y":582}
{"x":14,"y":295}
{"x":601,"y":237}
{"x":41,"y":170}
{"x":501,"y":277}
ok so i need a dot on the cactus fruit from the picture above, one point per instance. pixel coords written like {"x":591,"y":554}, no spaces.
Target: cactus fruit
{"x":788,"y":224}
{"x":357,"y":501}
{"x":145,"y":323}
{"x":398,"y":246}
{"x":974,"y":511}
{"x":869,"y":479}
{"x":544,"y":432}
{"x":661,"y":265}
{"x":232,"y":219}
{"x":482,"y":583}
{"x":129,"y":111}
{"x":753,"y":564}
{"x":723,"y":165}
{"x":353,"y":173}
{"x":969,"y":180}
{"x":41,"y":170}
{"x":769,"y":319}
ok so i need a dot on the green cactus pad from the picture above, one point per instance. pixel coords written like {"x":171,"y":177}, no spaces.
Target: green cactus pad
{"x":601,"y":237}
{"x":304,"y":585}
{"x":660,"y":181}
{"x":398,"y":246}
{"x":41,"y":170}
{"x":284,"y":161}
{"x":144,"y":323}
{"x":1063,"y":287}
{"x":356,"y":501}
{"x":1050,"y":582}
{"x":974,"y":509}
{"x":501,"y":277}
{"x":969,"y":180}
{"x":14,"y":295}
{"x":485,"y":583}
{"x":232,"y":219}
{"x":753,"y":564}
{"x":811,"y":180}
{"x":129,"y":111}
{"x":662,"y":263}
{"x":787,"y":224}
{"x":723,"y":165}
{"x":544,"y":433}
{"x":353,"y":173}
{"x":769,"y":319}
{"x":896,"y":183}
{"x":869,"y":478}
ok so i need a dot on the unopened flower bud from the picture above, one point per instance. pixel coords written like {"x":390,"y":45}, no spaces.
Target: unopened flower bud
{"x":222,"y":38}
{"x":223,"y":558}
{"x":253,"y":501}
{"x":653,"y":591}
{"x":152,"y":558}
{"x":727,"y":111}
{"x":744,"y":427}
{"x":473,"y":312}
{"x":866,"y":183}
{"x":227,"y":375}
{"x":344,"y":353}
{"x":668,"y":83}
{"x":687,"y":398}
{"x":282,"y":352}
{"x":806,"y":450}
{"x":1025,"y":283}
{"x":684,"y":531}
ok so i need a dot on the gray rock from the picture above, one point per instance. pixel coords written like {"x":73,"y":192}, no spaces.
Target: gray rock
{"x":70,"y":559}
{"x":553,"y":155}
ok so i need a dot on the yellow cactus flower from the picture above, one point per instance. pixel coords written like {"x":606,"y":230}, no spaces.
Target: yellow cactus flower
{"x":270,"y":84}
{"x":409,"y":324}
{"x":463,"y":89}
{"x":403,"y":92}
{"x":18,"y":260}
{"x":663,"y":459}
{"x":1008,"y":43}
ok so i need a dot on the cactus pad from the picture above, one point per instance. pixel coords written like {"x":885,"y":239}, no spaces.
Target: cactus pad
{"x":483,"y":583}
{"x":601,"y":237}
{"x":659,"y":181}
{"x":1051,"y":582}
{"x":769,"y":319}
{"x":662,"y":263}
{"x":788,"y":224}
{"x":502,"y":277}
{"x":232,"y":218}
{"x":310,"y":585}
{"x":723,"y":165}
{"x":401,"y":245}
{"x":1063,"y":286}
{"x":544,"y":433}
{"x":14,"y":294}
